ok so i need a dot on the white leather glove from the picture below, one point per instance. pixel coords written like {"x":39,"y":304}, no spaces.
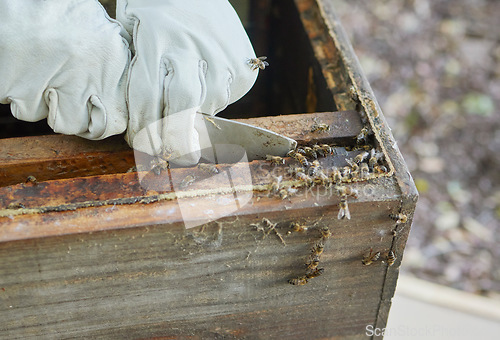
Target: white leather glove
{"x":189,"y":55}
{"x":67,"y":61}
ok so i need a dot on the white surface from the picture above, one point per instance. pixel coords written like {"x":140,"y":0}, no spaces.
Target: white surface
{"x":412,"y":317}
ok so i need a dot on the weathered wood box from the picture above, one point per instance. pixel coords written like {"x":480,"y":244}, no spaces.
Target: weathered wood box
{"x":88,"y":250}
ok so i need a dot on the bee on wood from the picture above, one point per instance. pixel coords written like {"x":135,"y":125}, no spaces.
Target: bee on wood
{"x":361,"y":157}
{"x":14,"y":205}
{"x":327,"y":149}
{"x":299,"y":281}
{"x":391,"y":258}
{"x":305,"y":178}
{"x":362,"y":137}
{"x":318,"y":249}
{"x":336,"y":175}
{"x":31,"y":179}
{"x":295,"y":170}
{"x":347,"y":191}
{"x":286,"y":192}
{"x":315,"y":273}
{"x":275,"y":184}
{"x":364,"y":171}
{"x":301,"y":159}
{"x":314,"y":167}
{"x":310,"y":152}
{"x":319,"y":150}
{"x":346,"y":173}
{"x":325,"y":233}
{"x":370,"y":258}
{"x":298,"y":227}
{"x":380,"y":169}
{"x":375,"y":158}
{"x":322,"y":179}
{"x":320,"y":127}
{"x":256,"y":63}
{"x":276,"y":160}
{"x":187,"y":181}
{"x":158,"y":164}
{"x":399,"y":218}
{"x":313,"y":263}
{"x":208,"y":168}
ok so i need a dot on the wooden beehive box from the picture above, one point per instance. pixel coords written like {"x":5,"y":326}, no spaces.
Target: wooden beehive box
{"x":90,"y":251}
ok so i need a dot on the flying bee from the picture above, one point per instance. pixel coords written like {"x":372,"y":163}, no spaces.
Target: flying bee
{"x":256,"y":63}
{"x":31,"y":179}
{"x":274,"y":187}
{"x":314,"y":167}
{"x":364,"y":171}
{"x":298,"y":227}
{"x":391,"y":258}
{"x":276,"y":160}
{"x":325,"y":233}
{"x":399,"y":218}
{"x":187,"y":181}
{"x":310,"y":152}
{"x":301,"y":159}
{"x":299,"y":281}
{"x":335,"y":175}
{"x":362,"y":137}
{"x":208,"y":168}
{"x":315,"y":273}
{"x":305,"y":178}
{"x":370,"y":258}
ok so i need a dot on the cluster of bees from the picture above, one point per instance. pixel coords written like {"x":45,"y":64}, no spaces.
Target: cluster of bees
{"x":313,"y":259}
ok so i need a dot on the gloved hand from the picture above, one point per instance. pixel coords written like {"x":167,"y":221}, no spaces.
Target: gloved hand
{"x":67,"y":61}
{"x":189,"y":55}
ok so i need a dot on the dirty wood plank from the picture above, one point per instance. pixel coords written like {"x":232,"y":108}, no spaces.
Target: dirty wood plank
{"x":222,"y":279}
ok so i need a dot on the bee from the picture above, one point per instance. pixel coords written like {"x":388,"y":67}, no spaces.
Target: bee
{"x":301,"y":159}
{"x":362,"y":137}
{"x":399,"y":218}
{"x":291,"y":153}
{"x":187,"y":181}
{"x":380,"y":169}
{"x":346,"y":173}
{"x":347,"y":191}
{"x":314,"y":167}
{"x":158,"y":164}
{"x":305,"y":178}
{"x":361,"y":157}
{"x":364,"y":170}
{"x":318,"y":249}
{"x":285,"y":193}
{"x":322,"y":179}
{"x":276,"y":160}
{"x":299,"y":281}
{"x":325,"y":233}
{"x":275,"y":185}
{"x":391,"y":258}
{"x":300,"y":151}
{"x":370,"y":258}
{"x":313,"y":264}
{"x":309,"y":152}
{"x":318,"y":150}
{"x":31,"y":179}
{"x":343,"y":209}
{"x":208,"y":168}
{"x":336,"y":175}
{"x":256,"y":63}
{"x":321,"y":127}
{"x":295,"y":170}
{"x":327,"y":149}
{"x":14,"y":205}
{"x":315,"y":273}
{"x":375,"y":158}
{"x":298,"y":227}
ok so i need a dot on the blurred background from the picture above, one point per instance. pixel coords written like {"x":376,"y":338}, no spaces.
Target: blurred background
{"x":435,"y":69}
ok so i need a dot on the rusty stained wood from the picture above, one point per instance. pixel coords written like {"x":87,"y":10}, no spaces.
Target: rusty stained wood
{"x":225,"y":278}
